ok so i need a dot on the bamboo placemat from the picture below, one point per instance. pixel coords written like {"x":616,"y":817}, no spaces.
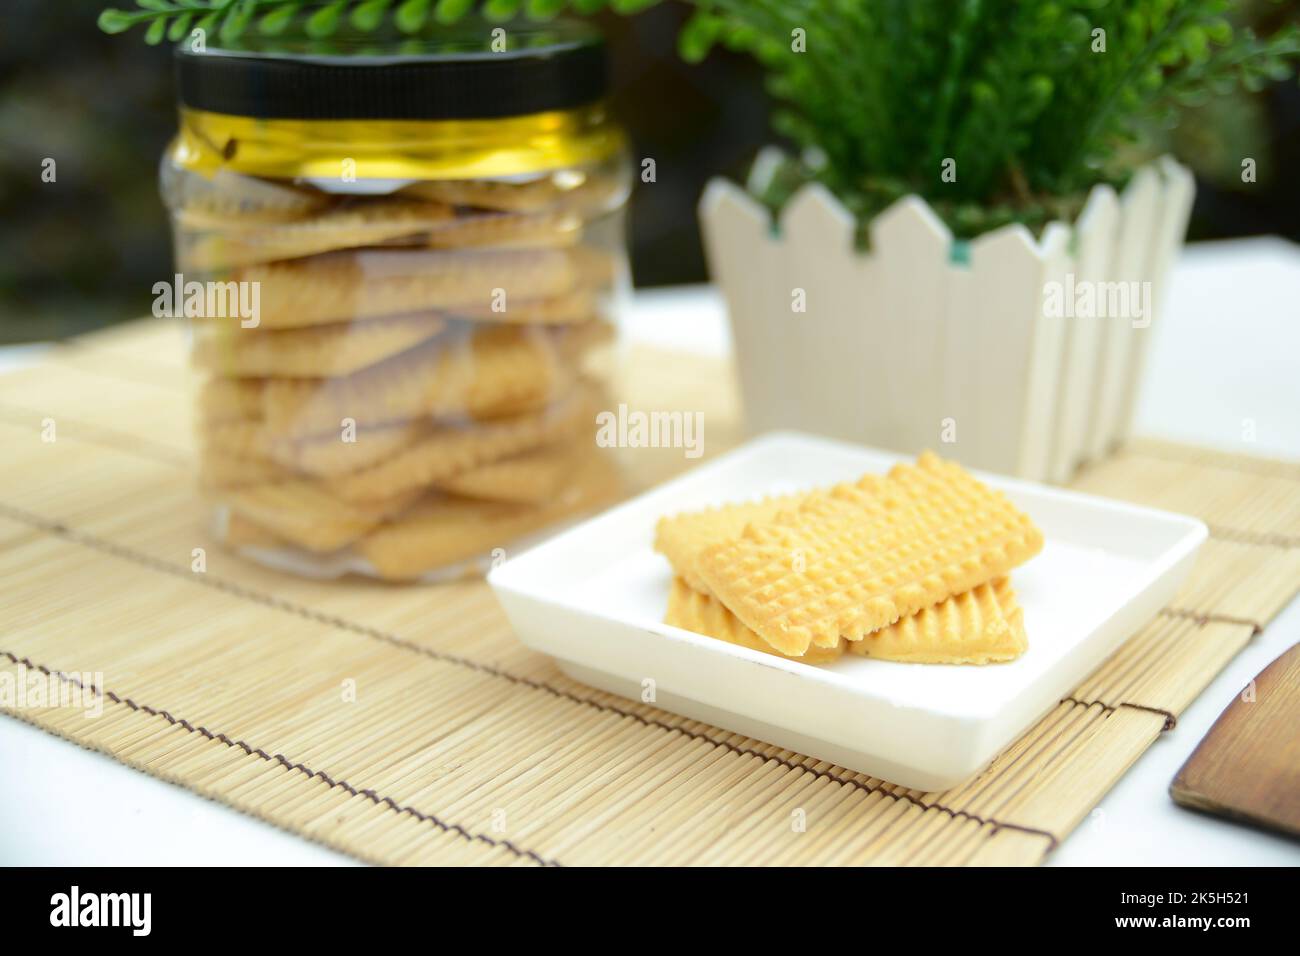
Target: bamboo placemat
{"x":461,"y":746}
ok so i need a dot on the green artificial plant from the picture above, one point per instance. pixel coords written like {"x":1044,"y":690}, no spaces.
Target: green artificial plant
{"x":993,"y":110}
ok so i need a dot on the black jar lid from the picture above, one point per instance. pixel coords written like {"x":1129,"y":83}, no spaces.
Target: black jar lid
{"x":441,"y":73}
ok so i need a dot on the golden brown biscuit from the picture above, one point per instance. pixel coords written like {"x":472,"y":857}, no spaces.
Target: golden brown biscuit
{"x":526,"y":196}
{"x":574,"y":308}
{"x":533,"y":477}
{"x":854,"y":559}
{"x":303,"y":514}
{"x":236,"y":531}
{"x":497,"y":368}
{"x":238,"y":439}
{"x":575,"y":340}
{"x":596,"y":268}
{"x":222,"y":400}
{"x":328,"y":456}
{"x":587,"y":192}
{"x":446,"y":452}
{"x":311,"y":352}
{"x":506,"y":230}
{"x":226,"y":446}
{"x":369,"y":283}
{"x":681,"y":537}
{"x":359,"y":223}
{"x":981,"y":626}
{"x":220,"y":469}
{"x":443,"y":530}
{"x":227,"y":196}
{"x":693,"y":611}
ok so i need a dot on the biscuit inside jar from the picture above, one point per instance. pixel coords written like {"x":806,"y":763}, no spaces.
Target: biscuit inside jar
{"x":404,"y":302}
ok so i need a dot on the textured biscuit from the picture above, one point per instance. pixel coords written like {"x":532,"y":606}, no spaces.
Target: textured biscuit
{"x":595,"y":268}
{"x":314,"y":351}
{"x":531,"y":195}
{"x":359,"y":223}
{"x":226,"y":446}
{"x":530,"y":478}
{"x":220,"y":469}
{"x":236,"y":531}
{"x":330,"y":456}
{"x":496,"y":368}
{"x":369,"y":283}
{"x":241,"y":439}
{"x":591,"y":193}
{"x":981,"y":626}
{"x":573,"y":341}
{"x":446,"y":452}
{"x":301,"y":513}
{"x":681,"y":537}
{"x":576,"y":307}
{"x":702,"y":614}
{"x":506,"y":230}
{"x":443,"y":530}
{"x":223,"y":400}
{"x":227,"y":196}
{"x":858,"y":557}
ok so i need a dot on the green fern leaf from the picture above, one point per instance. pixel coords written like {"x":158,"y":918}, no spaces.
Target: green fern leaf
{"x":157,"y":31}
{"x":179,"y":26}
{"x":277,"y":20}
{"x":368,"y":16}
{"x":411,"y":15}
{"x":452,"y":11}
{"x":325,"y":21}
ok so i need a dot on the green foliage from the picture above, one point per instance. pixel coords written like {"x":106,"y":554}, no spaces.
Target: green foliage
{"x":1030,"y":98}
{"x":1021,"y":95}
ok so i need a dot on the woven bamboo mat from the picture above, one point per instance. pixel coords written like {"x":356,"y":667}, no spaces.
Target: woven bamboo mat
{"x":461,"y":746}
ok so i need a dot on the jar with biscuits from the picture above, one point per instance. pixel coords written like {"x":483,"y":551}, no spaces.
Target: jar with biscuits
{"x":400,"y":259}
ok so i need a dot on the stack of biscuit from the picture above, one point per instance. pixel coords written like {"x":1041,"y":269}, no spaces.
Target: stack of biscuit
{"x":911,"y":566}
{"x":421,"y":383}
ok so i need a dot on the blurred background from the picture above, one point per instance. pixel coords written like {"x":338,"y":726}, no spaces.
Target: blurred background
{"x":85,"y":251}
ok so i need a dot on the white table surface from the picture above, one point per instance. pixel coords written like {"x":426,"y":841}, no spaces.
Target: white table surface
{"x":1227,"y":351}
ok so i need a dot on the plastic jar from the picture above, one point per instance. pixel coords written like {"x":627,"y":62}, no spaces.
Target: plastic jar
{"x":399,"y":258}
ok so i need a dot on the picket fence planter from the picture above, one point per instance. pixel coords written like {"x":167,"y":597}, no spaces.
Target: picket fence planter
{"x":1000,"y":358}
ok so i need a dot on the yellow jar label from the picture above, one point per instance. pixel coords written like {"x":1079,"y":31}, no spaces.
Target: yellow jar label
{"x":395,"y":149}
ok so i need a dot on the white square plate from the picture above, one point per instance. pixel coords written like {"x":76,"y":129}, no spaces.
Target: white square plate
{"x":594,"y":597}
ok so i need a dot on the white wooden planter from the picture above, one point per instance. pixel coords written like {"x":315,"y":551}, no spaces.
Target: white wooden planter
{"x":997,"y":361}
